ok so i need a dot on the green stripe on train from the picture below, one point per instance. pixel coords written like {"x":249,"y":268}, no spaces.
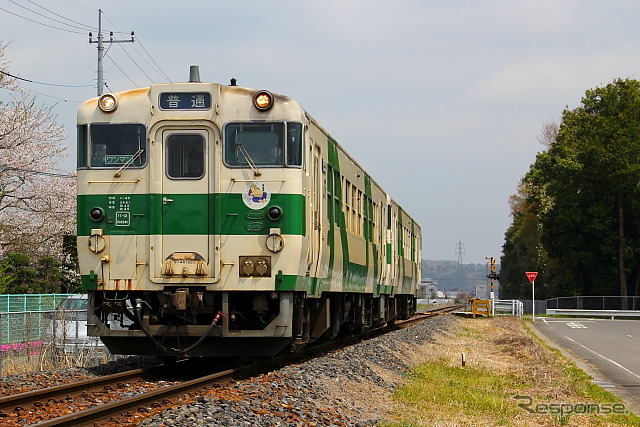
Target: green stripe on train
{"x":189,"y":214}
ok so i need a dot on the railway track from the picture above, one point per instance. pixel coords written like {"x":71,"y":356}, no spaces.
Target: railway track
{"x":95,"y":401}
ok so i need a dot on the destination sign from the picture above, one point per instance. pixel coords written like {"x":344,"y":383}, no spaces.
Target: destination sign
{"x":185,"y":101}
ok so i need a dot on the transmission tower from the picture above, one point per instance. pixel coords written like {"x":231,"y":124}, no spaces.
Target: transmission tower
{"x":460,"y":253}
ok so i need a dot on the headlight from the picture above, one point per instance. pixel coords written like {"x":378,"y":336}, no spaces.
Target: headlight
{"x":274,"y":213}
{"x":96,"y":214}
{"x":263,"y":100}
{"x":108,"y":102}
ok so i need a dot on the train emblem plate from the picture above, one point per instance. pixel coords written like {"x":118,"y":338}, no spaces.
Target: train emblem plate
{"x":256,"y":195}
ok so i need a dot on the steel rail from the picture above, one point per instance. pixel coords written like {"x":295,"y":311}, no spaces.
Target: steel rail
{"x":106,"y":412}
{"x":89,"y":417}
{"x":28,"y":398}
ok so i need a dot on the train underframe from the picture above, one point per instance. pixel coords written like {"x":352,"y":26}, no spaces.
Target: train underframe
{"x":191,"y":321}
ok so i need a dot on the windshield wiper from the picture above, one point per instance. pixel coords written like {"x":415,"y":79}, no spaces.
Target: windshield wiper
{"x":129,"y":162}
{"x":247,"y":157}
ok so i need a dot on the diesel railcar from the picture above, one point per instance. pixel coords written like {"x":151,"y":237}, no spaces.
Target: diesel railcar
{"x":218,"y":220}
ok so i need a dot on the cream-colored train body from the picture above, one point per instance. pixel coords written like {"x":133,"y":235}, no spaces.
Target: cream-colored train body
{"x":224,"y":221}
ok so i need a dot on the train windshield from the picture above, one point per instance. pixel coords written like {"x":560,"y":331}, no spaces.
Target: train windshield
{"x":104,"y":145}
{"x":253,"y":144}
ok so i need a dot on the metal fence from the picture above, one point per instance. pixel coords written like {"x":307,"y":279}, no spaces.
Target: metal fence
{"x":46,"y":332}
{"x":30,"y":302}
{"x":595,"y":303}
{"x":508,"y":307}
{"x":25,"y":318}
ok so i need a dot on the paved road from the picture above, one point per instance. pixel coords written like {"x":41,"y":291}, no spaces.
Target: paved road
{"x":611,"y":348}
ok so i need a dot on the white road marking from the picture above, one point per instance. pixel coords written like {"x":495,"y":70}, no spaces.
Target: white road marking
{"x":603,"y":357}
{"x":576,"y":325}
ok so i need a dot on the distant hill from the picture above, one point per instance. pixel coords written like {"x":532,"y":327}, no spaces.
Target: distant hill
{"x":452,"y":277}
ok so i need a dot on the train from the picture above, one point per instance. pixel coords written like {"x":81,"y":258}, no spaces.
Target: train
{"x":220,"y":220}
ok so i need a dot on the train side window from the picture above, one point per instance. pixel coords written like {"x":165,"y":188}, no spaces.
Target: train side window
{"x":116,"y":145}
{"x":185,"y":156}
{"x":82,"y":145}
{"x":294,"y":144}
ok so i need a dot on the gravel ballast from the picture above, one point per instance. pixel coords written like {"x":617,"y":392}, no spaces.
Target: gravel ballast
{"x":350,"y":387}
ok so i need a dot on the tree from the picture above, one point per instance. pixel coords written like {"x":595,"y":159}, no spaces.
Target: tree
{"x":584,"y":194}
{"x":521,"y":251}
{"x":604,"y":138}
{"x":71,"y":282}
{"x":37,"y":205}
{"x":21,"y":276}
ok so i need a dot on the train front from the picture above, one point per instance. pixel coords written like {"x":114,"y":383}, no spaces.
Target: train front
{"x":191,"y":219}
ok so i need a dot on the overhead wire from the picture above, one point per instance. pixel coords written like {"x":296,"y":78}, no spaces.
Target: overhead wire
{"x":55,"y":97}
{"x":5,"y":167}
{"x":58,"y":15}
{"x":132,"y":60}
{"x":121,"y":70}
{"x":151,"y":57}
{"x":127,"y":53}
{"x":41,"y":23}
{"x":42,"y":83}
{"x":78,"y":5}
{"x":78,"y":25}
{"x":86,"y":28}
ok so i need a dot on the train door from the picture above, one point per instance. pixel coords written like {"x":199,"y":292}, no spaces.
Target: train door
{"x":392,"y":249}
{"x":183,"y":249}
{"x":315,"y":218}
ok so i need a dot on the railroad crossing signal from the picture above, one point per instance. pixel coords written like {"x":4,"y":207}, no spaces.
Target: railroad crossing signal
{"x":492,"y":270}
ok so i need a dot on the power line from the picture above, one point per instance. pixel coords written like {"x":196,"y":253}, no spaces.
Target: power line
{"x":53,"y":13}
{"x":41,"y":23}
{"x":84,"y":27}
{"x":138,"y":53}
{"x":78,"y":5}
{"x":71,"y":23}
{"x":132,"y":60}
{"x":60,"y":175}
{"x":42,"y":83}
{"x":121,"y":70}
{"x":54,"y":97}
{"x":156,"y":64}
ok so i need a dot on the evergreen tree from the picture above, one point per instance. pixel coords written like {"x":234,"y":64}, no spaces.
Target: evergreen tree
{"x":584,"y":195}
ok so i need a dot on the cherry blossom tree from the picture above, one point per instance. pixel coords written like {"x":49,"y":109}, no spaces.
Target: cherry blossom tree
{"x":37,"y":204}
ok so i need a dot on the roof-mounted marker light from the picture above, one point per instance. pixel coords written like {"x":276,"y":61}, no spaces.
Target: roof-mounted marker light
{"x":263,"y":100}
{"x":108,"y":102}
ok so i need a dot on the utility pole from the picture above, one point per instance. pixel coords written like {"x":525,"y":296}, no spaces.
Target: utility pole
{"x":101,"y":51}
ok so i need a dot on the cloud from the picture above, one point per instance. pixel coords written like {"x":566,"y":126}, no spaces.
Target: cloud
{"x":562,"y":78}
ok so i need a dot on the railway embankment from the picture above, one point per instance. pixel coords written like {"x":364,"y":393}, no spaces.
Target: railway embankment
{"x":412,"y":376}
{"x":416,"y":377}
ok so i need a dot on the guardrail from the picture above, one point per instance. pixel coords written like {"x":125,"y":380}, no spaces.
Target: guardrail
{"x":592,"y":313}
{"x":602,"y":302}
{"x":513,"y":307}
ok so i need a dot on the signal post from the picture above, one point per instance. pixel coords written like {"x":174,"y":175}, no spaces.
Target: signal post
{"x":493,"y":275}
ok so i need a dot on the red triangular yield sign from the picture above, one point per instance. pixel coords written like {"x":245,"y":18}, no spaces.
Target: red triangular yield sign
{"x":532,"y":275}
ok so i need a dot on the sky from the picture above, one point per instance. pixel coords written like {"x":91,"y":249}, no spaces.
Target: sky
{"x":442,"y":103}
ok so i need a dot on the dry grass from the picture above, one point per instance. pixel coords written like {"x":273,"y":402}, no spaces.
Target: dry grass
{"x":49,"y":357}
{"x":503,"y":360}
